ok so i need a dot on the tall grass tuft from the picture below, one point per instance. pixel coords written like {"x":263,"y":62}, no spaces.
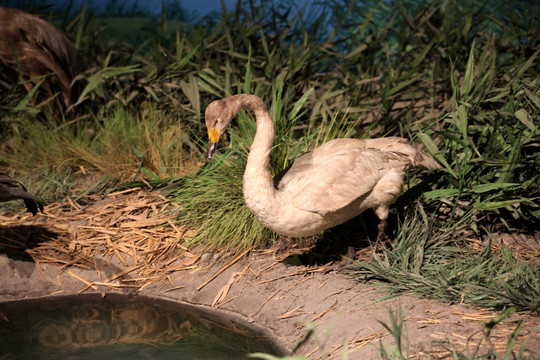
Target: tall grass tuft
{"x":492,"y":138}
{"x":432,"y":260}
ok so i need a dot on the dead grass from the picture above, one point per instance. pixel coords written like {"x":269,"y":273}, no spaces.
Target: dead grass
{"x":133,"y":226}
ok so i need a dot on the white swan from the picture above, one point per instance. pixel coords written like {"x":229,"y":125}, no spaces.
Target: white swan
{"x":323,"y":188}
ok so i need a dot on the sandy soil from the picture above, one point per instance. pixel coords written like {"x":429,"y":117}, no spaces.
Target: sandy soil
{"x":255,"y":286}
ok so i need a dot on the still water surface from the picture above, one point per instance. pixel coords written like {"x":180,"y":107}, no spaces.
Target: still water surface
{"x":122,"y":327}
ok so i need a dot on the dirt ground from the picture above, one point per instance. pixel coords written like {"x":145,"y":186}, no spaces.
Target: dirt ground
{"x":125,"y":242}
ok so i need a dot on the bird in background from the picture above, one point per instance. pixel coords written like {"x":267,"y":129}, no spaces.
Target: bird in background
{"x":34,"y":51}
{"x":323,"y":188}
{"x":11,"y":189}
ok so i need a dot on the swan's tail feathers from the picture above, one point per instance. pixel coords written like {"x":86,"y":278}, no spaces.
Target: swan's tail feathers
{"x":407,"y":155}
{"x":11,"y":189}
{"x":424,"y":160}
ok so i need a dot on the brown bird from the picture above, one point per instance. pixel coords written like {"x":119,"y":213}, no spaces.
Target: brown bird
{"x":31,"y":50}
{"x":323,"y":188}
{"x":11,"y":189}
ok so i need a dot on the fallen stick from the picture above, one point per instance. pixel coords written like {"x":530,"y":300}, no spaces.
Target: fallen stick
{"x":175,"y":288}
{"x":122,"y":273}
{"x":88,"y":283}
{"x":291,"y":313}
{"x":123,"y":191}
{"x":264,"y":303}
{"x":115,"y":285}
{"x":324,"y":312}
{"x":301,"y":272}
{"x":223,"y":269}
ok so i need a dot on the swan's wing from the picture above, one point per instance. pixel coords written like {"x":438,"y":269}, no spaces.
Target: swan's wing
{"x":333,"y":176}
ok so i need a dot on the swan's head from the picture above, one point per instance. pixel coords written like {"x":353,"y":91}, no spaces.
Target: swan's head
{"x":218,"y":115}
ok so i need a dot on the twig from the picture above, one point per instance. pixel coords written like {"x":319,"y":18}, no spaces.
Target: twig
{"x":83,"y":280}
{"x":175,"y":288}
{"x":264,"y":303}
{"x":316,"y":317}
{"x":291,"y":313}
{"x":122,"y":273}
{"x":309,"y":271}
{"x":223,"y":269}
{"x":124,"y":191}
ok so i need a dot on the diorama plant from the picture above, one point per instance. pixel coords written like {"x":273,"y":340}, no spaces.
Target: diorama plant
{"x":459,"y":78}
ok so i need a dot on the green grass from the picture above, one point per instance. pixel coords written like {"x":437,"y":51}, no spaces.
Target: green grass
{"x":490,"y":142}
{"x":431,"y":259}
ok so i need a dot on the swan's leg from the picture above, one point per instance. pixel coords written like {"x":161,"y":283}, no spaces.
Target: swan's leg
{"x":351,"y":253}
{"x":386,"y":191}
{"x":381,"y":228}
{"x":382,"y":214}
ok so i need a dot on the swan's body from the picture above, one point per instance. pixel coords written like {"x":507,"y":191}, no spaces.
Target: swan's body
{"x":324,"y":188}
{"x":11,"y":189}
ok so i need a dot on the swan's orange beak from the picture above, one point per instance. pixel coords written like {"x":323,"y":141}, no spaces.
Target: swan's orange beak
{"x":213,"y":134}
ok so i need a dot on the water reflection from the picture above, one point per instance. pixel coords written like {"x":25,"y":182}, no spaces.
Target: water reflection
{"x":121,"y":327}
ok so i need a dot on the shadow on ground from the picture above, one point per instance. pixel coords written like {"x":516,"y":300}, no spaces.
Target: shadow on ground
{"x":332,"y":246}
{"x":16,"y":240}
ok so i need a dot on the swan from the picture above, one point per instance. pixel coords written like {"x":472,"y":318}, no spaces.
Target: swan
{"x":11,"y":189}
{"x":323,"y":188}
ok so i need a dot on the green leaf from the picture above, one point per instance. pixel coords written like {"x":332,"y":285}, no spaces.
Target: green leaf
{"x":403,"y":85}
{"x":525,"y":118}
{"x":482,"y":188}
{"x":507,"y":171}
{"x":434,"y":151}
{"x":512,"y":341}
{"x":99,"y":78}
{"x":298,"y":105}
{"x":492,"y":205}
{"x":462,"y":122}
{"x":247,"y":79}
{"x":527,"y":64}
{"x":149,"y":173}
{"x":420,"y":57}
{"x":469,"y":72}
{"x":192,"y":92}
{"x":182,"y":62}
{"x":440,"y":193}
{"x":23,"y":104}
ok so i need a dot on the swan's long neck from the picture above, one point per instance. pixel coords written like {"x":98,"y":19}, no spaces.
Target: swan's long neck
{"x":258,"y":184}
